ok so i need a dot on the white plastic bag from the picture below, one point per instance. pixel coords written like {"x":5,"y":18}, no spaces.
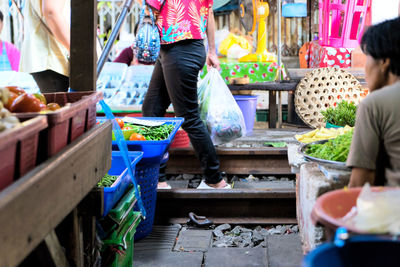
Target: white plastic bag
{"x":378,"y":212}
{"x":219,"y":110}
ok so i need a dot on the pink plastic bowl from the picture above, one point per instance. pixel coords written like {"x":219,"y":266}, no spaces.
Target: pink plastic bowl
{"x":331,"y":207}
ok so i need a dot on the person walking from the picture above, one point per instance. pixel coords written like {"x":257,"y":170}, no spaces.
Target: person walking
{"x":46,"y":45}
{"x":183,"y":25}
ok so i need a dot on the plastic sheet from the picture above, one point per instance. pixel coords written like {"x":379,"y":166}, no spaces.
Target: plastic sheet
{"x":377,"y":211}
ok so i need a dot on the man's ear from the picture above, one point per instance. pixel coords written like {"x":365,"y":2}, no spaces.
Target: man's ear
{"x":385,"y":65}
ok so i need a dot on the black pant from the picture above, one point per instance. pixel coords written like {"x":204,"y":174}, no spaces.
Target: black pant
{"x":174,"y":80}
{"x":50,"y":81}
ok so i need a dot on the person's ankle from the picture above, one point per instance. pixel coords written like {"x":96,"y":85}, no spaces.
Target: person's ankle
{"x":220,"y":184}
{"x":162,"y":185}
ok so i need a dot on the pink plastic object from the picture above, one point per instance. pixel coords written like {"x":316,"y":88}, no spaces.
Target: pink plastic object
{"x":341,"y":22}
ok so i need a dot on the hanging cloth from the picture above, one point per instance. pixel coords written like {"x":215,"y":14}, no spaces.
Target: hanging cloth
{"x":5,"y":64}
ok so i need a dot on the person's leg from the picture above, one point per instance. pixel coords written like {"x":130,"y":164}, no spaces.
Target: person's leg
{"x":181,"y":64}
{"x":157,"y":100}
{"x":155,"y":104}
{"x":50,"y":81}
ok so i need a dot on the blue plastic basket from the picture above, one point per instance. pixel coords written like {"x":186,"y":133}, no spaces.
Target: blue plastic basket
{"x":153,"y":151}
{"x":147,"y":170}
{"x":357,"y":251}
{"x":113,"y":193}
{"x":146,"y":175}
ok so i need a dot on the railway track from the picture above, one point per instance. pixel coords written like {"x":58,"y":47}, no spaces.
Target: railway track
{"x":266,"y":160}
{"x":251,"y":205}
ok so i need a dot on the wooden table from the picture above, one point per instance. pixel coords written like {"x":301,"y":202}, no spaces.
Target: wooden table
{"x":32,"y":207}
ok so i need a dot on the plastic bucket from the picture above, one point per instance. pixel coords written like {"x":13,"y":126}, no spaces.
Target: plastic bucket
{"x":248,"y":105}
{"x":357,"y":251}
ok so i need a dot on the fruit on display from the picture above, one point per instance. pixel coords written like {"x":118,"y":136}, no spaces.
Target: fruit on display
{"x":120,"y":123}
{"x":11,"y":99}
{"x":136,"y":137}
{"x":20,"y":101}
{"x":7,"y":120}
{"x":27,"y":103}
{"x":15,"y":89}
{"x":322,"y":134}
{"x":41,"y":98}
{"x":53,"y":106}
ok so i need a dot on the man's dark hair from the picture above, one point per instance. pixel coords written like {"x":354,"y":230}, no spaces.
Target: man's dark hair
{"x":383,"y":41}
{"x":1,"y":16}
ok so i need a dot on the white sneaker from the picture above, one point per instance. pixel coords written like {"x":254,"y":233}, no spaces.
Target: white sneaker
{"x":203,"y":185}
{"x":163,"y":188}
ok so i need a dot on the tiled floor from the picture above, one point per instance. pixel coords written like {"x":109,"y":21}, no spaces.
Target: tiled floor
{"x":174,"y":247}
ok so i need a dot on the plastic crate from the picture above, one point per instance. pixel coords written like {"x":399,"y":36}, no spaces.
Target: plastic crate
{"x":114,"y":193}
{"x":67,"y":123}
{"x":153,"y":151}
{"x":147,"y":178}
{"x":18,"y":149}
{"x":146,"y":175}
{"x":122,"y":240}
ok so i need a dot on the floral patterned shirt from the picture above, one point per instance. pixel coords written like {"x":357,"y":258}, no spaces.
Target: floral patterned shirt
{"x":181,"y":19}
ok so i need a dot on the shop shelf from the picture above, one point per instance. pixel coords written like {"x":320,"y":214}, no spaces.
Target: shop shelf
{"x":19,"y":148}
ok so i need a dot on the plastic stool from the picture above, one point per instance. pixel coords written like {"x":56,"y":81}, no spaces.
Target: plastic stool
{"x":341,"y":22}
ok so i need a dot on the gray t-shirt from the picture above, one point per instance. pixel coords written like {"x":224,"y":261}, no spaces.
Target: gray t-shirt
{"x":378,"y":120}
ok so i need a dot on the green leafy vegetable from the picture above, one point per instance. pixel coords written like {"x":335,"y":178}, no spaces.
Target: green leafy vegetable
{"x":275,"y":144}
{"x":107,"y":180}
{"x":335,"y":149}
{"x":344,"y":114}
{"x":154,"y":133}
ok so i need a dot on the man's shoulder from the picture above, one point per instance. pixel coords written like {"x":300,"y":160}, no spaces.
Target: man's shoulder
{"x":383,"y":95}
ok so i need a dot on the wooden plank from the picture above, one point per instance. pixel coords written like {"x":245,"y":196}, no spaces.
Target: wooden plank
{"x":83,"y":73}
{"x":35,"y":204}
{"x":55,"y":249}
{"x":233,"y":151}
{"x":267,"y":86}
{"x":269,"y":161}
{"x":272,"y":109}
{"x":297,"y":74}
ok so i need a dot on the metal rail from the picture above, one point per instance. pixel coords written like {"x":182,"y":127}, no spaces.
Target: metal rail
{"x":113,"y":35}
{"x":251,"y":206}
{"x":275,"y":205}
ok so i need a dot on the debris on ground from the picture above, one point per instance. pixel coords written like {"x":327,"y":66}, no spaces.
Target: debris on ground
{"x":248,"y":238}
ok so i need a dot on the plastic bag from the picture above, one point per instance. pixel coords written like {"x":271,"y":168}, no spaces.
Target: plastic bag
{"x":219,"y":110}
{"x":236,"y":52}
{"x":232,"y":39}
{"x":378,"y":212}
